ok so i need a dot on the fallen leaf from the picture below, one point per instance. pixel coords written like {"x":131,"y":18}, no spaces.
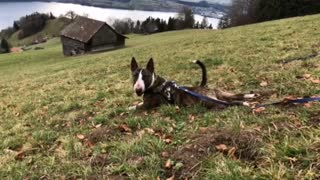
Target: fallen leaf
{"x":221,"y":147}
{"x":168,"y":141}
{"x":90,"y":144}
{"x":297,"y":122}
{"x":259,"y":110}
{"x":232,"y":152}
{"x":20,"y":156}
{"x":170,"y":178}
{"x":174,"y":125}
{"x":257,"y":128}
{"x":98,"y":125}
{"x":141,"y":133}
{"x":264,"y":84}
{"x":315,"y":81}
{"x":307,"y":76}
{"x":81,"y":136}
{"x":168,"y":164}
{"x":191,"y":118}
{"x":149,"y":130}
{"x":124,"y":128}
{"x":28,"y":178}
{"x":204,"y":130}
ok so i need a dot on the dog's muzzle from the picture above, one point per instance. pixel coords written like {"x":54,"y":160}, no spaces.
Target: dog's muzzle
{"x":139,"y":92}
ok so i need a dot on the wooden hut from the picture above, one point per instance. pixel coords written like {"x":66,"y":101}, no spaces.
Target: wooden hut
{"x":88,"y":35}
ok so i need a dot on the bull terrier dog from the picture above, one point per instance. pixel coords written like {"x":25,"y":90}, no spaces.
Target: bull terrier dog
{"x":156,"y":90}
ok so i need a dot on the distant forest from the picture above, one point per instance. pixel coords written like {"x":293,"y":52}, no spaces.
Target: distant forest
{"x":184,"y":20}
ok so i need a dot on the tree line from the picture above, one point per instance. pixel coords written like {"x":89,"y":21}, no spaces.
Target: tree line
{"x":184,"y":20}
{"x":244,"y":12}
{"x":27,"y":25}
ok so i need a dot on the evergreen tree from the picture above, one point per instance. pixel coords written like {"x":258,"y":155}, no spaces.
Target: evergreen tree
{"x":137,"y":27}
{"x":197,"y":25}
{"x":15,"y":26}
{"x":171,"y":24}
{"x":186,"y":18}
{"x":5,"y":46}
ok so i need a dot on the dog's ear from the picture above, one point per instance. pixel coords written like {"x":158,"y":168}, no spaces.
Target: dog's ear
{"x":134,"y":64}
{"x":150,"y":65}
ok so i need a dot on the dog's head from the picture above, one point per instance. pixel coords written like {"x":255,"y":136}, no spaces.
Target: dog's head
{"x":143,"y":79}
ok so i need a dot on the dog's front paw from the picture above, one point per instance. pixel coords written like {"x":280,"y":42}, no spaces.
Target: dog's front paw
{"x":132,"y":108}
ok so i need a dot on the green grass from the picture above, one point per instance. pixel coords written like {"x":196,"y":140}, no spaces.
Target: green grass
{"x":47,"y":101}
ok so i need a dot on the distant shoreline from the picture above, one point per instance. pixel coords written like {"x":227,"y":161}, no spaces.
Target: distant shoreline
{"x":99,"y":6}
{"x":146,"y":8}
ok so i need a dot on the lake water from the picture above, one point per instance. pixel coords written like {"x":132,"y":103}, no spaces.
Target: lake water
{"x":10,"y":11}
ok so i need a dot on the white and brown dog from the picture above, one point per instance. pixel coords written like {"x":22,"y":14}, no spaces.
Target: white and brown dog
{"x":156,"y":90}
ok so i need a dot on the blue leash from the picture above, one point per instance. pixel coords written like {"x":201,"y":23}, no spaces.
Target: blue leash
{"x":205,"y":98}
{"x":225,"y":104}
{"x":293,"y":101}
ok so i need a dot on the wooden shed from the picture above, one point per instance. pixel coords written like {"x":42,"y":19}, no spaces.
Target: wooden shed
{"x":88,"y":35}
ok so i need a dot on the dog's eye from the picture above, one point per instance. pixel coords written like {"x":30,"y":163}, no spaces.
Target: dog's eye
{"x":136,"y":73}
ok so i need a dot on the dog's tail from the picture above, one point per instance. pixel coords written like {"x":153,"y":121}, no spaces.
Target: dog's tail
{"x":204,"y":72}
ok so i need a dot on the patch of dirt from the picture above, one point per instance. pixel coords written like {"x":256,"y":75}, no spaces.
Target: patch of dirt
{"x":100,"y":160}
{"x":118,"y":177}
{"x":244,"y":146}
{"x":102,"y":134}
{"x":95,"y":177}
{"x":300,"y":58}
{"x":314,"y":120}
{"x":84,"y":117}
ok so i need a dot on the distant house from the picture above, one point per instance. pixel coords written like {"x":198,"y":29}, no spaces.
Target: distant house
{"x":89,"y":35}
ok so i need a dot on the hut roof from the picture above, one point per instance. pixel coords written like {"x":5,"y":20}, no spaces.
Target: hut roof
{"x":83,"y":29}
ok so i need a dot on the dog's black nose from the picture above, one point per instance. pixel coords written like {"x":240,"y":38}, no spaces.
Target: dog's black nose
{"x":139,"y":92}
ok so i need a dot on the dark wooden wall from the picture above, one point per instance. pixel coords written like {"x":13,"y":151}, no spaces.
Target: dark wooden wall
{"x":70,"y":46}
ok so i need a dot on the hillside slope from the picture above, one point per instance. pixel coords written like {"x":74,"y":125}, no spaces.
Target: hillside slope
{"x":51,"y":29}
{"x":67,"y":117}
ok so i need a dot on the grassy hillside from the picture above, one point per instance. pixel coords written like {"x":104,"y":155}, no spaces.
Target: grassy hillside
{"x":52,"y":29}
{"x":66,"y":117}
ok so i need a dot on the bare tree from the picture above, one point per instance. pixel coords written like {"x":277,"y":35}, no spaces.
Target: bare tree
{"x":71,"y":15}
{"x":204,"y":23}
